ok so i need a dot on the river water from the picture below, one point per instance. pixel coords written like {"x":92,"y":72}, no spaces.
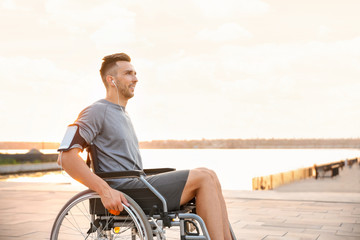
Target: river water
{"x":234,"y":167}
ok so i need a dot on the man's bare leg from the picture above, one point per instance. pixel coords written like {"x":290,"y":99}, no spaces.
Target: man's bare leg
{"x":225,"y":216}
{"x":204,"y":185}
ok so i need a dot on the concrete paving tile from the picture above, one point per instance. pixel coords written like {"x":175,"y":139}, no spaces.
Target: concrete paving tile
{"x":238,"y":225}
{"x":25,"y":195}
{"x":347,"y":213}
{"x":273,"y":229}
{"x":337,"y":212}
{"x":345,"y":233}
{"x":349,"y":227}
{"x":271,"y":220}
{"x":5,"y":203}
{"x":356,"y":227}
{"x":30,"y":236}
{"x":271,"y":237}
{"x":258,"y":213}
{"x":356,"y":211}
{"x":243,"y":223}
{"x":25,"y":228}
{"x":286,"y":214}
{"x":321,"y":231}
{"x":4,"y":217}
{"x":331,"y":228}
{"x":347,"y":219}
{"x":16,"y":218}
{"x":9,"y":228}
{"x":334,"y":237}
{"x":18,"y":234}
{"x":313,"y":209}
{"x":315,"y":221}
{"x":311,"y":215}
{"x":293,"y":225}
{"x":251,"y":218}
{"x":247,"y":234}
{"x":331,"y":215}
{"x":302,"y":236}
{"x":3,"y":237}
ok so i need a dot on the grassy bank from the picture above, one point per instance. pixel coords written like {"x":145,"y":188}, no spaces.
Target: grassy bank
{"x":12,"y":161}
{"x":33,"y":156}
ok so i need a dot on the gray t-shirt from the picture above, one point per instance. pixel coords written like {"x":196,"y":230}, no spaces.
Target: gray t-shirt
{"x":109,"y":128}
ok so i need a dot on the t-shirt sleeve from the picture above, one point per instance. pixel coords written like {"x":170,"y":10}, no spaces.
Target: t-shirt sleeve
{"x":90,"y":122}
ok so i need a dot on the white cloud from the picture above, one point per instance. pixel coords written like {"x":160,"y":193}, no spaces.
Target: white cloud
{"x":276,"y":58}
{"x":86,"y":15}
{"x":261,"y":72}
{"x":270,"y":90}
{"x":224,"y":33}
{"x":14,"y":6}
{"x":226,"y":8}
{"x":40,"y":97}
{"x":201,"y":75}
{"x":324,"y":31}
{"x":108,"y":24}
{"x":8,"y":4}
{"x":115,"y":32}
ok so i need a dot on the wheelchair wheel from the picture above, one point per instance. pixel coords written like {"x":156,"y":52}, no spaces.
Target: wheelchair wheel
{"x":84,"y":217}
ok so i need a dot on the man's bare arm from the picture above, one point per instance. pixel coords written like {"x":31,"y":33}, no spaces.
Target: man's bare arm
{"x":76,"y":167}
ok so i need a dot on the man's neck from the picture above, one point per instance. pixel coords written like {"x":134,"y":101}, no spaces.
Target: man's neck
{"x":114,"y":99}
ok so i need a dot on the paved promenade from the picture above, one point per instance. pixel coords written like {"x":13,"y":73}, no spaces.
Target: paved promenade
{"x":323,"y":209}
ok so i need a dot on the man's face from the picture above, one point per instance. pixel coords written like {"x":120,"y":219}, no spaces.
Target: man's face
{"x":125,"y":79}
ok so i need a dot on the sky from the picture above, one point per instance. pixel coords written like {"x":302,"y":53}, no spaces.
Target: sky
{"x":206,"y":69}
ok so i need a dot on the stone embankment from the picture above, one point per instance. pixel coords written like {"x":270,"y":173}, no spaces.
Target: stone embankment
{"x":28,"y":168}
{"x":317,"y":171}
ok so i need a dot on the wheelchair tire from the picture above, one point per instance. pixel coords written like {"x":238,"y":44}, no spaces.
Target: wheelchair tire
{"x":80,"y":218}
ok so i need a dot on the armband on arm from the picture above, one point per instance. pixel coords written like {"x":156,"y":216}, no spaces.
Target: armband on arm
{"x":72,"y":139}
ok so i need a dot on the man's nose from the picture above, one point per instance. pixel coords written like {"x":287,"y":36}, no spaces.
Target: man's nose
{"x":135,"y":79}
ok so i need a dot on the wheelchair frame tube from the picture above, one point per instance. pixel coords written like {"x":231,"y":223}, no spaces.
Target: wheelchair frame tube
{"x":200,"y":221}
{"x":152,"y":189}
{"x":232,"y":232}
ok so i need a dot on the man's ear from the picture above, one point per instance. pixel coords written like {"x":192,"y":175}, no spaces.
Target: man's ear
{"x":109,"y":80}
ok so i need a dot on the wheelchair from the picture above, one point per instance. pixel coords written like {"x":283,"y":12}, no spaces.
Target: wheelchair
{"x":84,"y":216}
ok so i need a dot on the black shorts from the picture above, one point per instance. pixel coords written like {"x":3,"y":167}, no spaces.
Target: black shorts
{"x":169,"y":184}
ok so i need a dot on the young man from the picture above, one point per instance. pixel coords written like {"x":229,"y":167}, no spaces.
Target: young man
{"x":106,"y":125}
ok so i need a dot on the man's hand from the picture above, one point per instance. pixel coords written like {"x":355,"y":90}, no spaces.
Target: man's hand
{"x":112,"y":200}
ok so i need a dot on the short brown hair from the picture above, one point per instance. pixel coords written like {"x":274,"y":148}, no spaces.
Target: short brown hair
{"x":109,"y":62}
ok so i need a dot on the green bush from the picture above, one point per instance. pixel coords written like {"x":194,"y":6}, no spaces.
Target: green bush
{"x":4,"y":161}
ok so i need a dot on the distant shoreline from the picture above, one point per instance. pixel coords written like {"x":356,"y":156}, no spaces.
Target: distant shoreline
{"x":29,"y":168}
{"x":261,"y":143}
{"x":258,"y":143}
{"x":33,"y":156}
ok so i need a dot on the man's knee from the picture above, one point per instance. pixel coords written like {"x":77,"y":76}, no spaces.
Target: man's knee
{"x":206,"y":175}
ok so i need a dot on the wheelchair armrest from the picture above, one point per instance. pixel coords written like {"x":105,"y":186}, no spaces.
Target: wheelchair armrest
{"x":121,"y":174}
{"x":154,"y":171}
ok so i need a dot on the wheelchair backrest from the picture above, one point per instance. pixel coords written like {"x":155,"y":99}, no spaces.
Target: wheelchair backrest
{"x":92,"y":160}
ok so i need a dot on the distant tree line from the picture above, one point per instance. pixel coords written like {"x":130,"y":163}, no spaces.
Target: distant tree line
{"x":33,"y":156}
{"x":254,"y":143}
